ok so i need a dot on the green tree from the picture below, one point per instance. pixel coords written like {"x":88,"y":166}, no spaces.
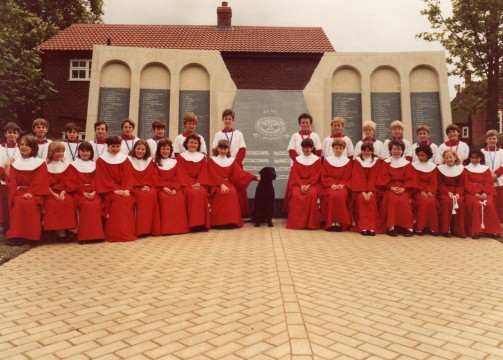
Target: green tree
{"x":473,"y":36}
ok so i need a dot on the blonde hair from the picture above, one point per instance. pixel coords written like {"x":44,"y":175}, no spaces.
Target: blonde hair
{"x":422,"y":128}
{"x":450,"y":151}
{"x":53,"y":147}
{"x":190,"y":116}
{"x":369,"y":124}
{"x":492,"y":132}
{"x":339,"y":142}
{"x":337,"y":119}
{"x":396,"y":123}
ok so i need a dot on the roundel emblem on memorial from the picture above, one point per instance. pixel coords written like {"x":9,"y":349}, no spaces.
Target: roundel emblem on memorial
{"x":270,"y":126}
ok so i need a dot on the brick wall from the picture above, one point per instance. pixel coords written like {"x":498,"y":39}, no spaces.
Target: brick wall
{"x":69,"y":103}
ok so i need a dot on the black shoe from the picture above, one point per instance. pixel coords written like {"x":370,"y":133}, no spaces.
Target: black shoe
{"x":418,"y":233}
{"x":338,"y":228}
{"x":257,"y":224}
{"x":391,"y":232}
{"x":270,"y":224}
{"x":447,"y":235}
{"x":475,"y":236}
{"x":408,"y":233}
{"x":365,"y":233}
{"x":14,"y":242}
{"x":371,"y":233}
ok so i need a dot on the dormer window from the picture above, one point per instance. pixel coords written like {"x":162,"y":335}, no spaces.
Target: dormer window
{"x":80,"y":70}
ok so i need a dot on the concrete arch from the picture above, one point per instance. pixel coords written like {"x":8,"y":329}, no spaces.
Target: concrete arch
{"x":115,"y":74}
{"x":155,"y":76}
{"x":424,"y":78}
{"x":194,"y":77}
{"x":385,"y":79}
{"x":346,"y":79}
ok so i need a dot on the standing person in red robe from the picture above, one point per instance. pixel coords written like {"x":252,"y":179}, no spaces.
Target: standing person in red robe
{"x":115,"y":182}
{"x":481,"y":216}
{"x":173,"y":210}
{"x":305,"y":190}
{"x":397,"y":178}
{"x":59,"y":210}
{"x":82,"y":185}
{"x":193,"y":162}
{"x":424,"y":198}
{"x":335,"y":178}
{"x":366,"y":196}
{"x":144,"y":190}
{"x":451,"y":195}
{"x":226,"y":179}
{"x":28,"y":184}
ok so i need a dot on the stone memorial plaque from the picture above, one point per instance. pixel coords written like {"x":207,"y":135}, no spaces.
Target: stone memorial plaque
{"x":113,"y":107}
{"x":267,"y":119}
{"x":198,"y":102}
{"x":349,"y":107}
{"x":154,"y":105}
{"x":425,"y":109}
{"x":385,"y":108}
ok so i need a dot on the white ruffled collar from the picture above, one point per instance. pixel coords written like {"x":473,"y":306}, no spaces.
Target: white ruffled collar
{"x":397,"y":163}
{"x":307,"y":160}
{"x":367,"y":163}
{"x":451,"y":171}
{"x":425,"y":167}
{"x":57,"y":167}
{"x":192,"y":156}
{"x":476,"y":169}
{"x":140,"y":164}
{"x":337,"y":161}
{"x":223,"y":161}
{"x":27,"y":164}
{"x":113,"y":159}
{"x":84,"y":166}
{"x":167,"y":164}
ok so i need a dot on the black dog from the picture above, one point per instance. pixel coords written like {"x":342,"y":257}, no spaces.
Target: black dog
{"x":264,"y":197}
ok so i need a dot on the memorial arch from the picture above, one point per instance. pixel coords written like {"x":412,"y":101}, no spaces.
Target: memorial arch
{"x":385,"y":98}
{"x":347,"y":99}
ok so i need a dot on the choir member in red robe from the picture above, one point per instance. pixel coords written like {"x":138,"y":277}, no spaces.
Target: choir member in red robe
{"x":494,"y":159}
{"x":28,"y":184}
{"x":397,"y":179}
{"x":82,"y":185}
{"x":173,"y":210}
{"x":59,"y":210}
{"x":144,"y":190}
{"x":424,"y":197}
{"x":481,"y":216}
{"x":305,"y":190}
{"x":193,"y":162}
{"x":335,"y":178}
{"x":451,"y":195}
{"x":115,"y":182}
{"x":226,"y":179}
{"x":366,"y":195}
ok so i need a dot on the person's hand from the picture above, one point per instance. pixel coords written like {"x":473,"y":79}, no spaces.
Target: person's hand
{"x":196,"y":186}
{"x":145,"y":188}
{"x":27,"y":196}
{"x":224,"y":189}
{"x":367,"y":195}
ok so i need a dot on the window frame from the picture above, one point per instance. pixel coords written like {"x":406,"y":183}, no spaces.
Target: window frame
{"x":79,"y":68}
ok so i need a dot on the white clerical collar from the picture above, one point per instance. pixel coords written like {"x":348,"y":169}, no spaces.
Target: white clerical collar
{"x":84,"y":166}
{"x":397,"y":163}
{"x":167,"y":164}
{"x":425,"y":167}
{"x":307,"y":160}
{"x":367,"y":163}
{"x":27,"y":164}
{"x":57,"y":167}
{"x":118,"y":158}
{"x":337,"y":161}
{"x":223,"y":161}
{"x":140,"y":164}
{"x":195,"y":156}
{"x":451,"y":171}
{"x":476,"y":169}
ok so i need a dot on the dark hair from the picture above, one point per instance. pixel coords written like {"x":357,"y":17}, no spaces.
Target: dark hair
{"x":157,"y":124}
{"x":32,"y":143}
{"x":98,"y":123}
{"x":426,"y":149}
{"x":228,"y":112}
{"x":192,"y":136}
{"x":367,"y":145}
{"x":12,"y":126}
{"x":147,"y":149}
{"x":86,"y":145}
{"x":160,"y":144}
{"x":71,"y":126}
{"x":307,"y":142}
{"x":305,"y":116}
{"x":478,"y":152}
{"x":131,"y":122}
{"x":395,"y":142}
{"x":222,"y":144}
{"x":452,"y":127}
{"x":113,"y":140}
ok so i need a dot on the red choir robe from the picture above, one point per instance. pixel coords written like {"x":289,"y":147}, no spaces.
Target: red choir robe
{"x":7,"y":150}
{"x":363,"y":179}
{"x":451,"y":179}
{"x":335,"y":204}
{"x":82,"y":179}
{"x":148,"y":220}
{"x":59,"y":215}
{"x":478,"y":180}
{"x":113,"y":172}
{"x":304,"y":212}
{"x":425,"y":209}
{"x":225,"y":207}
{"x":396,"y":209}
{"x":194,"y":165}
{"x":173,"y":209}
{"x":27,"y":176}
{"x":494,"y":159}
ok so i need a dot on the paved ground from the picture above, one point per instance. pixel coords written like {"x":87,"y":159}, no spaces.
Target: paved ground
{"x":256,"y":294}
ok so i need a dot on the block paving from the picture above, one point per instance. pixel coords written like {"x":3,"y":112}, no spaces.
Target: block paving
{"x":256,"y":293}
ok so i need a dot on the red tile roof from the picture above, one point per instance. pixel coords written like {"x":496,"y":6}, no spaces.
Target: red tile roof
{"x":187,"y":37}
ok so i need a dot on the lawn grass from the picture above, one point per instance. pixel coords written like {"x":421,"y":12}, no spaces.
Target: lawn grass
{"x":10,"y":252}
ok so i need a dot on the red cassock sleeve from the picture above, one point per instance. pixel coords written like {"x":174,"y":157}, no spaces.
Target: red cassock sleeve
{"x":240,"y":156}
{"x":336,"y":175}
{"x":146,"y":177}
{"x":427,"y":182}
{"x":171,"y":178}
{"x":197,"y":172}
{"x":293,"y":154}
{"x":410,"y":182}
{"x":305,"y":175}
{"x":363,"y":180}
{"x":59,"y":182}
{"x":489,"y":188}
{"x":37,"y":180}
{"x":383,"y":178}
{"x":113,"y":177}
{"x":499,"y":171}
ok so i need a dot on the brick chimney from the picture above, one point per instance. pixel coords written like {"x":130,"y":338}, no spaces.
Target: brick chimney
{"x":224,"y":16}
{"x":468,"y":77}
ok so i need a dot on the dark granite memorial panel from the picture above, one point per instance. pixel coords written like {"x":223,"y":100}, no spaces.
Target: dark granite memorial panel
{"x":425,"y":109}
{"x":154,"y":105}
{"x":198,"y":102}
{"x":349,"y":107}
{"x":113,"y":107}
{"x":385,"y":108}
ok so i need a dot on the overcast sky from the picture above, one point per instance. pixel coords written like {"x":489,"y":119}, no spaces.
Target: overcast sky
{"x":351,"y":25}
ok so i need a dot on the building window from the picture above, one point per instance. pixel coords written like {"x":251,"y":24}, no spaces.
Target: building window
{"x":80,"y":70}
{"x":465,"y":132}
{"x":500,"y":118}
